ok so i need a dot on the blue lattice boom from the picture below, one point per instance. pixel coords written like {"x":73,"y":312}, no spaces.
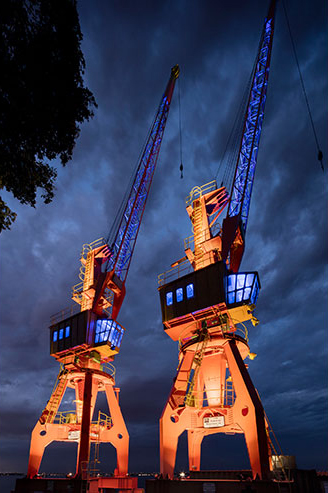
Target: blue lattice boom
{"x":126,"y":236}
{"x":245,"y":170}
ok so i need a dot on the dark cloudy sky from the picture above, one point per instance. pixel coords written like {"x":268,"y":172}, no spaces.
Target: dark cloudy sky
{"x":130,"y":47}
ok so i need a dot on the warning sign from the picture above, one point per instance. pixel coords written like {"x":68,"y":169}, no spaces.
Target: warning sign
{"x":74,"y":435}
{"x":213,"y":422}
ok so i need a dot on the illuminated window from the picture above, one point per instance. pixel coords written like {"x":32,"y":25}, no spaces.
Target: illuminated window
{"x":67,"y":331}
{"x":179,"y":293}
{"x":108,"y":331}
{"x":169,"y":298}
{"x":255,"y":292}
{"x":232,"y":282}
{"x":55,"y":336}
{"x":231,"y":297}
{"x":240,"y":280}
{"x":247,"y":293}
{"x":242,"y":288}
{"x":239,"y":295}
{"x":249,"y":280}
{"x":61,"y":333}
{"x":190,"y":291}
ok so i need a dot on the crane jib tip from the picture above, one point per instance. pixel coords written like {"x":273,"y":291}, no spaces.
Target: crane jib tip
{"x":175,"y":71}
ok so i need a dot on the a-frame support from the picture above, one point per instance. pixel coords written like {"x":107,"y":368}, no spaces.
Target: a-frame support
{"x":245,"y":415}
{"x":78,"y":425}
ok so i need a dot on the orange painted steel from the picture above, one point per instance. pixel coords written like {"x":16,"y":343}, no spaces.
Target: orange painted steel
{"x":54,"y":426}
{"x":83,"y":342}
{"x":82,"y":370}
{"x":212,"y":392}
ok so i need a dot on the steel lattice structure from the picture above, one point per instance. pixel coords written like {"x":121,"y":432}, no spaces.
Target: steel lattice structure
{"x":126,"y":236}
{"x":245,"y":170}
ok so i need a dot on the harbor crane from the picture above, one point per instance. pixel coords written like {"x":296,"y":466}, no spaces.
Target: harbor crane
{"x":206,"y":300}
{"x":85,"y":343}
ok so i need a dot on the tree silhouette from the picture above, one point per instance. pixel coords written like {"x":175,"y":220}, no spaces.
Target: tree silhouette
{"x":43,"y":99}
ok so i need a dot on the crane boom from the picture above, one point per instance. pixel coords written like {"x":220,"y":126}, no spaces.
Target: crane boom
{"x":127,"y":232}
{"x":106,"y":286}
{"x":241,"y":190}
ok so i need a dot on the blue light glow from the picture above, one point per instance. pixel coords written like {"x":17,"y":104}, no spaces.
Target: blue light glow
{"x":240,"y":280}
{"x":126,"y":236}
{"x":242,"y":288}
{"x":190,"y":291}
{"x":231,"y":298}
{"x":231,"y":282}
{"x":108,"y":331}
{"x":249,"y":280}
{"x":61,"y":333}
{"x":55,"y":336}
{"x":67,"y":331}
{"x":179,"y":294}
{"x":169,"y":298}
{"x":239,"y":296}
{"x":247,"y":293}
{"x":245,"y":171}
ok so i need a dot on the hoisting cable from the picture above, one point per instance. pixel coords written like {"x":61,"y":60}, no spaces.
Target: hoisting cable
{"x":320,"y":154}
{"x":181,"y":165}
{"x":230,"y":154}
{"x":119,"y":214}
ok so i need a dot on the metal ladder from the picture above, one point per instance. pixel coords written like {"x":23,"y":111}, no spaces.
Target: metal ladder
{"x":190,"y":399}
{"x":198,"y":232}
{"x":57,"y":394}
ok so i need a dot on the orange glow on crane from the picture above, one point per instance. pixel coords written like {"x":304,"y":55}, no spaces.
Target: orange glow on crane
{"x":212,"y":392}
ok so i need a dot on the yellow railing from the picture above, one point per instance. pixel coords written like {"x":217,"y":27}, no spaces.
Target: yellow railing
{"x":104,"y":420}
{"x":189,"y":242}
{"x":66,"y":417}
{"x":62,"y":314}
{"x":70,"y":417}
{"x":87,"y":247}
{"x":225,"y":397}
{"x":241,"y":330}
{"x":197,"y":192}
{"x":181,"y":269}
{"x":109,"y":368}
{"x":77,"y":289}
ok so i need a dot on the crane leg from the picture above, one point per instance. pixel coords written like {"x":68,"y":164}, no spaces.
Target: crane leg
{"x":170,"y":430}
{"x":120,"y":439}
{"x":195,"y":439}
{"x":248,"y":412}
{"x":44,"y":433}
{"x":42,"y":436}
{"x":173,"y":422}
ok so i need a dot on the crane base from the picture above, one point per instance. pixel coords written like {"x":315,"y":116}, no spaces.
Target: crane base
{"x":69,"y":485}
{"x":305,"y":481}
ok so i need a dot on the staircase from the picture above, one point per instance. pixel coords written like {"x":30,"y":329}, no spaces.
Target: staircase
{"x":192,"y":400}
{"x":56,"y":396}
{"x":198,"y":232}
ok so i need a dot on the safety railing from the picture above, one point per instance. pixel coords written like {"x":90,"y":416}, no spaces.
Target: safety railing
{"x":66,"y":417}
{"x":223,"y":397}
{"x":189,"y":242}
{"x":197,"y":192}
{"x":239,"y":330}
{"x":62,"y":314}
{"x":70,"y":417}
{"x":181,"y":269}
{"x":109,"y":368}
{"x":104,"y":420}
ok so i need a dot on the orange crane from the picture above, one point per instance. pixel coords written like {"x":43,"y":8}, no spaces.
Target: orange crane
{"x":86,"y":343}
{"x":205,"y":301}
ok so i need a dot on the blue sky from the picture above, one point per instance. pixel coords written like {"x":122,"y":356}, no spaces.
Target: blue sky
{"x":129,"y":49}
